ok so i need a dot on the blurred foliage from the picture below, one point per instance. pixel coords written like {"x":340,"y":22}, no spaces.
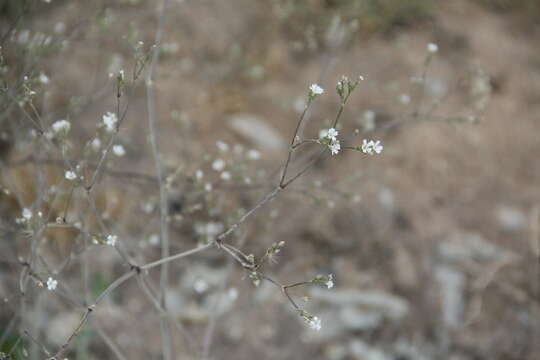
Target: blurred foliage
{"x":11,"y":9}
{"x":371,"y":15}
{"x":512,"y":5}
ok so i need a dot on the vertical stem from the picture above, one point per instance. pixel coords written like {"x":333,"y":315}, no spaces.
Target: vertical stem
{"x":166,"y":340}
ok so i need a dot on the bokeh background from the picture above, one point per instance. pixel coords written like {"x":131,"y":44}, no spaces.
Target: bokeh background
{"x":434,"y":244}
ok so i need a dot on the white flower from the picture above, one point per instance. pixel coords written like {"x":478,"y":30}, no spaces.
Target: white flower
{"x":208,"y":187}
{"x":199,"y":174}
{"x":70,"y":175}
{"x":61,"y":126}
{"x":330,"y":281}
{"x":44,"y":79}
{"x":111,"y":240}
{"x":222,"y":146}
{"x":218,"y":165}
{"x":253,"y":154}
{"x":226,"y":176}
{"x":51,"y":284}
{"x":26,"y":214}
{"x":110,"y":120}
{"x":315,"y":89}
{"x":332,"y":133}
{"x":334,"y":147}
{"x":328,"y":134}
{"x":96,"y":144}
{"x":371,"y":147}
{"x":432,"y":48}
{"x":312,"y":321}
{"x":118,"y":150}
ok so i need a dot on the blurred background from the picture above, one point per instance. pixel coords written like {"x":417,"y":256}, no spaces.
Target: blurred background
{"x":434,"y":244}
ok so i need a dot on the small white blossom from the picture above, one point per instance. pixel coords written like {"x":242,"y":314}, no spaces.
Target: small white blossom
{"x":432,"y":48}
{"x":222,"y":146}
{"x":313,"y":321}
{"x":253,"y":154}
{"x":118,"y":150}
{"x":208,"y":187}
{"x":330,"y":282}
{"x":332,"y":133}
{"x":51,"y":284}
{"x":44,"y":79}
{"x":218,"y":165}
{"x":334,"y":147}
{"x":316,"y":89}
{"x":372,"y":147}
{"x":111,"y":240}
{"x":27,"y":214}
{"x":200,"y":286}
{"x":110,"y":120}
{"x":199,"y":174}
{"x":96,"y":144}
{"x":61,"y":126}
{"x":70,"y":175}
{"x":328,"y":134}
{"x":225,"y":176}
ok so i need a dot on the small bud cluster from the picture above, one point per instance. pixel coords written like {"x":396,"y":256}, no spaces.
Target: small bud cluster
{"x":345,"y":87}
{"x":327,"y":281}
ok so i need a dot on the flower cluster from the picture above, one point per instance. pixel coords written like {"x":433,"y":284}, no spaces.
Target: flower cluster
{"x":371,"y":147}
{"x":312,"y":321}
{"x":111,"y":240}
{"x":328,"y":137}
{"x":51,"y":284}
{"x":315,"y":90}
{"x":327,"y":281}
{"x":109,"y":121}
{"x":61,"y":127}
{"x":345,"y":87}
{"x":70,"y":175}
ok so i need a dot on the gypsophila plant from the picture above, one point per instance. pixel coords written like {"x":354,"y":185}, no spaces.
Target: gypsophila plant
{"x":188,"y":199}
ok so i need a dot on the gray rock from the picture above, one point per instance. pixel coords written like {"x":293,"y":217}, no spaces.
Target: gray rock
{"x":452,"y":287}
{"x":511,"y":219}
{"x":356,"y":319}
{"x":360,"y":350}
{"x":256,"y":130}
{"x":463,"y":246}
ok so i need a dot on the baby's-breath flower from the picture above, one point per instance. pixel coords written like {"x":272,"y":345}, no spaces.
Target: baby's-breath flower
{"x":432,"y":48}
{"x":70,"y":175}
{"x":218,"y":165}
{"x":110,"y":120}
{"x":222,"y":146}
{"x":44,"y":79}
{"x":61,"y":126}
{"x":334,"y":147}
{"x":371,"y":147}
{"x":27,"y":214}
{"x":225,"y":176}
{"x":327,"y":281}
{"x":312,"y":321}
{"x":96,"y":144}
{"x":51,"y":284}
{"x":111,"y":240}
{"x":118,"y":150}
{"x":253,"y":154}
{"x":314,"y":91}
{"x":328,"y":137}
{"x":254,"y":276}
